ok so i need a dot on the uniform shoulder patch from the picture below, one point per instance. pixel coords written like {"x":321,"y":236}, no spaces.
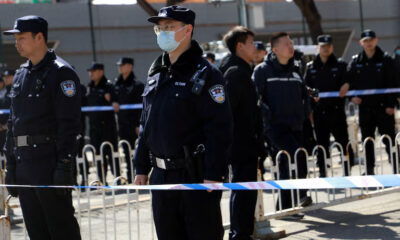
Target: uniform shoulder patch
{"x":68,"y":88}
{"x":217,"y":93}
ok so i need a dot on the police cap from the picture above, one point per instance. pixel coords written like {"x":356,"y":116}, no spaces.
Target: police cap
{"x":259,"y":45}
{"x":125,"y":60}
{"x":177,"y":13}
{"x":96,"y":66}
{"x":324,"y":39}
{"x":30,"y":23}
{"x":367,"y":34}
{"x":210,"y":56}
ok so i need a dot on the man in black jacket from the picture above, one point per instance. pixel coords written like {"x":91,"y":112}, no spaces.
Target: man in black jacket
{"x":285,"y":106}
{"x":128,"y":91}
{"x":186,"y":120}
{"x":100,"y":92}
{"x":327,"y":73}
{"x":242,"y":96}
{"x":374,"y":69}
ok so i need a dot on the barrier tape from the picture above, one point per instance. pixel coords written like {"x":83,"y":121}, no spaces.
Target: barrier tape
{"x":360,"y":92}
{"x":95,"y":108}
{"x":373,"y":181}
{"x":321,"y":95}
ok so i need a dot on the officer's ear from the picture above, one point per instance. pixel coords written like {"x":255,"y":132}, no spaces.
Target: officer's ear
{"x":189,"y":30}
{"x":38,"y":36}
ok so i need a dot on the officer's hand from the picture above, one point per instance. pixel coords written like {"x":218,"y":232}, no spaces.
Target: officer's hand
{"x":141,"y":179}
{"x":64,"y":176}
{"x":343,"y":90}
{"x":210,"y":182}
{"x":115,"y":106}
{"x":11,"y":180}
{"x":356,"y":100}
{"x":107,"y":96}
{"x":137,"y":131}
{"x":390,"y":111}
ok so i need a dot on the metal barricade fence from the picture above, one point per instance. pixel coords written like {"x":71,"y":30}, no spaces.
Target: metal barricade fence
{"x":109,"y":214}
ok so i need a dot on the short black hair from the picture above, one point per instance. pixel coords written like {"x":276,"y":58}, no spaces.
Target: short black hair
{"x":45,"y":36}
{"x":276,"y":36}
{"x":236,"y":35}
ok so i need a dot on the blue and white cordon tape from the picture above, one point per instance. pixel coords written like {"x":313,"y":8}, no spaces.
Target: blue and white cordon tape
{"x":360,"y":92}
{"x":373,"y":181}
{"x":321,"y":95}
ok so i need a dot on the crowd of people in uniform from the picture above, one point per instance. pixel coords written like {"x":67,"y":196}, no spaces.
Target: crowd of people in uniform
{"x":196,"y":119}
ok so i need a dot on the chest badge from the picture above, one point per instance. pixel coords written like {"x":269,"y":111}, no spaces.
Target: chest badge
{"x":68,"y":88}
{"x":217,"y":93}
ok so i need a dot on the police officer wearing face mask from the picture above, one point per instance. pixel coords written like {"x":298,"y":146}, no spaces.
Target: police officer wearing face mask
{"x":42,"y":130}
{"x":374,"y":69}
{"x":100,"y":92}
{"x":327,"y":73}
{"x":185,"y":132}
{"x":128,"y":91}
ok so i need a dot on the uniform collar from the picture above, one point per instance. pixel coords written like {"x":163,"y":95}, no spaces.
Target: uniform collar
{"x":331,"y":60}
{"x":50,"y":56}
{"x":128,"y":81}
{"x":185,"y":62}
{"x":377,"y":56}
{"x":101,"y":84}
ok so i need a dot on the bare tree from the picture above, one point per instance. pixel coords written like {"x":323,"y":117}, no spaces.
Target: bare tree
{"x":147,"y":7}
{"x":174,"y":2}
{"x":312,"y":17}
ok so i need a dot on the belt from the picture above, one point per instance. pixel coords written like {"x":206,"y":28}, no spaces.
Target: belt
{"x":27,"y":140}
{"x":167,"y":163}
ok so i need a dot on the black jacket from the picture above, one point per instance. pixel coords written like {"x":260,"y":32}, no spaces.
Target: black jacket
{"x":173,"y":116}
{"x":327,"y":77}
{"x":283,"y":93}
{"x":45,"y":101}
{"x":95,"y":96}
{"x":5,"y":103}
{"x":129,"y":91}
{"x":243,"y":101}
{"x":375,"y":73}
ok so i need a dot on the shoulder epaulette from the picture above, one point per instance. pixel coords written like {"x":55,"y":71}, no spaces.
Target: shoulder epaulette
{"x":59,"y":64}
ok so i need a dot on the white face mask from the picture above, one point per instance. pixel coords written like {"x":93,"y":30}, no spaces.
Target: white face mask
{"x":166,"y":40}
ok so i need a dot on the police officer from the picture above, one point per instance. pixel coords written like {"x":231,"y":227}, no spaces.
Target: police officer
{"x":237,"y":69}
{"x":5,"y":102}
{"x":327,"y":74}
{"x":285,"y":106}
{"x":373,"y":69}
{"x":185,"y":132}
{"x":128,"y":91}
{"x":261,"y":52}
{"x":41,"y":140}
{"x":100,"y":92}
